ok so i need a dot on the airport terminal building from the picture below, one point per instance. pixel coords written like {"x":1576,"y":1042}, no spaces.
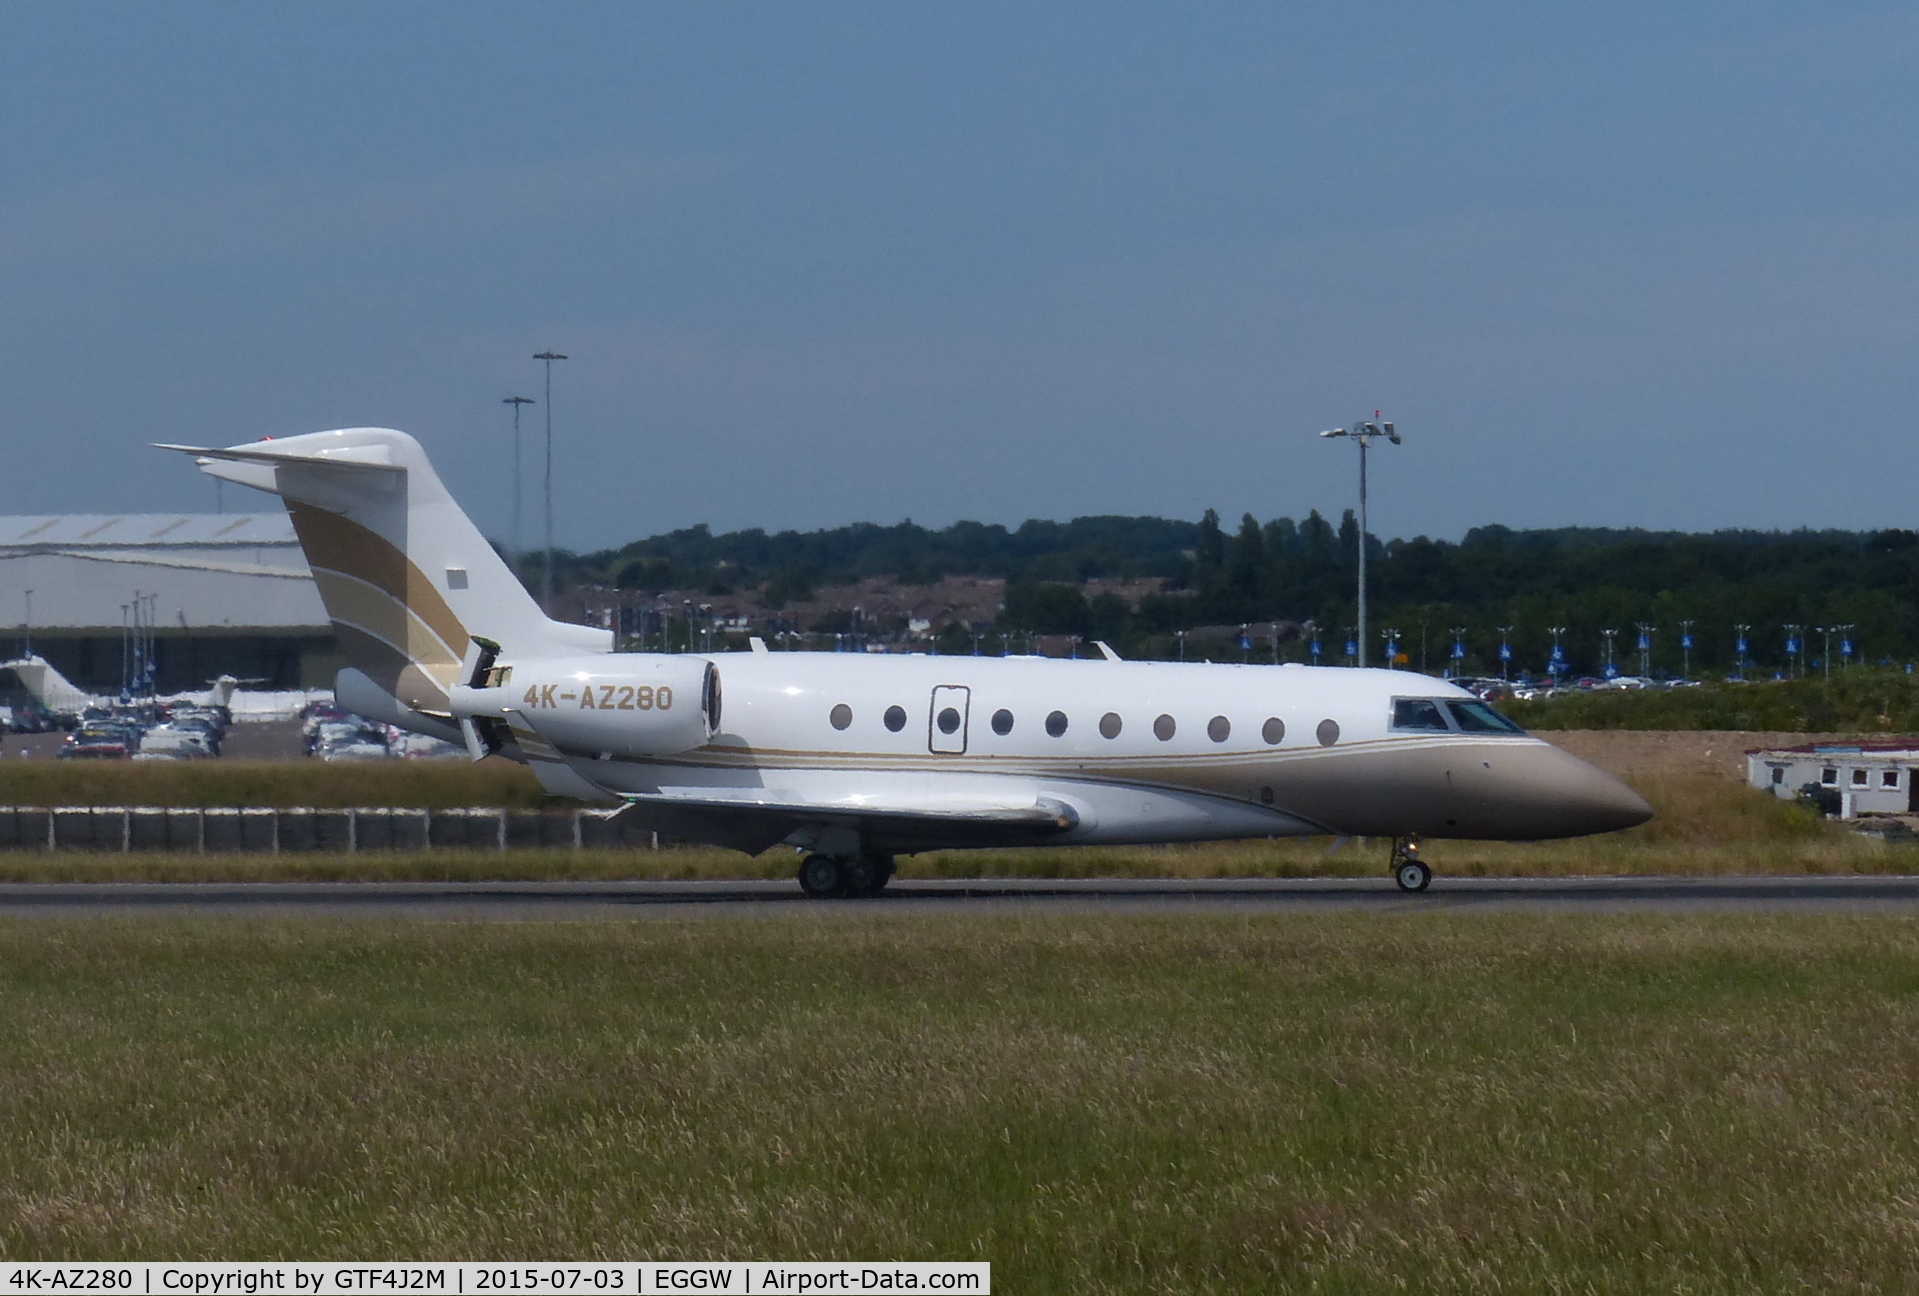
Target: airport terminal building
{"x":214,"y":593}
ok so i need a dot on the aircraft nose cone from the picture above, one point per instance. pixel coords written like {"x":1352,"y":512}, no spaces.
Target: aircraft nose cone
{"x":1545,"y":792}
{"x":1607,"y":803}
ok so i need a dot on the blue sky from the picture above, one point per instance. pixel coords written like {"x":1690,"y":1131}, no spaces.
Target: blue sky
{"x":822,"y":263}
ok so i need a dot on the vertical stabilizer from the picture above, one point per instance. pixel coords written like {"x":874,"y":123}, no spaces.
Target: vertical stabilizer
{"x":407,"y":579}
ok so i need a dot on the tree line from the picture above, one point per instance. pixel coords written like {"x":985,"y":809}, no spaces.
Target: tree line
{"x":1494,"y":585}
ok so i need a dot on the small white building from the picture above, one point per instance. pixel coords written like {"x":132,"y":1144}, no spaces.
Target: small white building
{"x":1869,"y":778}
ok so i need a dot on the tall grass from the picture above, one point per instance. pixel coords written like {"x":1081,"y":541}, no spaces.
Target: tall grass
{"x":1439,"y":1103}
{"x":1861,"y":700}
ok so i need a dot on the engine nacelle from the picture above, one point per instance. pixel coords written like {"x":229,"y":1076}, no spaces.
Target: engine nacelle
{"x":625,"y":704}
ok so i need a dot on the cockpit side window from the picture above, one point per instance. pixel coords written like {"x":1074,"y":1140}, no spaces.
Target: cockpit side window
{"x":1419,"y":714}
{"x":1477,"y":717}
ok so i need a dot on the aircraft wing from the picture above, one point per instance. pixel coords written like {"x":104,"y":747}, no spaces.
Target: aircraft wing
{"x":752,"y":819}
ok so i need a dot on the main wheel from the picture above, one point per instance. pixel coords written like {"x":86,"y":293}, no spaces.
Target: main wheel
{"x":1412,"y":875}
{"x":867,"y":875}
{"x":822,"y":877}
{"x":863,"y":875}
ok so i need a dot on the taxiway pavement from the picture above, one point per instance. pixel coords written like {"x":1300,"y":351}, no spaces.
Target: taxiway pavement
{"x":524,"y":901}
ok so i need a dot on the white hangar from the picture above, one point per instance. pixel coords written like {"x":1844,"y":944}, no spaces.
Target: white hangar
{"x":214,"y":593}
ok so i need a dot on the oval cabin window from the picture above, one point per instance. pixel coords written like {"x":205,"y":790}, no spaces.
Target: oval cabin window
{"x":1109,"y":725}
{"x":1164,"y":728}
{"x":1327,"y":733}
{"x":895,"y":718}
{"x":949,"y":720}
{"x":1056,"y":723}
{"x":1219,"y":728}
{"x":841,"y":716}
{"x":1002,"y":722}
{"x":1273,"y":731}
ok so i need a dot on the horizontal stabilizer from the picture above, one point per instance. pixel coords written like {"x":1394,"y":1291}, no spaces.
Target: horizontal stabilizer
{"x":375,"y":457}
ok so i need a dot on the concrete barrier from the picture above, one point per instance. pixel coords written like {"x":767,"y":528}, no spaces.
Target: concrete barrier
{"x":299,"y":829}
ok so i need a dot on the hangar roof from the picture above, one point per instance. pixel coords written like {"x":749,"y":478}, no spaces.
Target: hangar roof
{"x":147,"y":530}
{"x":192,"y":571}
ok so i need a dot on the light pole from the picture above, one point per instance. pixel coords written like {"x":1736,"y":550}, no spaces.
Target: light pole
{"x":1845,"y":645}
{"x":1739,"y":646}
{"x":1794,"y":658}
{"x":546,"y":571}
{"x":1612,"y":671}
{"x":28,"y":650}
{"x":1365,"y":434}
{"x":516,"y":402}
{"x":1557,"y":662}
{"x":1685,"y":650}
{"x":1392,"y":641}
{"x":1505,"y":650}
{"x":1645,"y":649}
{"x":1459,"y":650}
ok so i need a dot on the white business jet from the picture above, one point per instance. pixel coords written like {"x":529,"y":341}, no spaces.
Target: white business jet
{"x":854,"y":759}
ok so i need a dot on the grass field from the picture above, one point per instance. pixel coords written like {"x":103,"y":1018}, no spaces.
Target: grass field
{"x":1426,"y":1103}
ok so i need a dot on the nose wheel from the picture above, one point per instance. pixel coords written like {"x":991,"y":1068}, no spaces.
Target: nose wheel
{"x":1409,"y":871}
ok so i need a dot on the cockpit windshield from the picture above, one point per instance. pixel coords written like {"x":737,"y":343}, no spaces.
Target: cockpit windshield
{"x":1418,"y":713}
{"x":1477,"y":717}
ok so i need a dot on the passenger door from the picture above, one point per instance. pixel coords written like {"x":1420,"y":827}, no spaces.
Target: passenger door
{"x":946,"y":723}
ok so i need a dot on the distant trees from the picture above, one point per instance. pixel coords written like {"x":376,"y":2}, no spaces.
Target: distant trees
{"x":1585,"y":579}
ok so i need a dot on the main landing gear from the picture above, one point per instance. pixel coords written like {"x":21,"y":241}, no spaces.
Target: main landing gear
{"x":1408,"y":869}
{"x":827,"y":877}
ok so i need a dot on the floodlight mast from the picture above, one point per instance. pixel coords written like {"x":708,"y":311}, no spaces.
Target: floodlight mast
{"x":1364,"y":433}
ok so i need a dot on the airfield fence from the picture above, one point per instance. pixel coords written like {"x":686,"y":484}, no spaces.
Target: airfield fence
{"x":275,"y":830}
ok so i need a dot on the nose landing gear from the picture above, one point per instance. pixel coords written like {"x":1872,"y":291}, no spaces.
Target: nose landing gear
{"x":828,"y":877}
{"x":1409,"y":871}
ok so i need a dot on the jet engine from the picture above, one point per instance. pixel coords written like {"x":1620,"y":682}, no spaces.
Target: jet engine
{"x":628,"y":705}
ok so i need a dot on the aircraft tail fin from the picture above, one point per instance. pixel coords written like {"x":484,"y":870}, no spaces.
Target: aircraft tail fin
{"x":408,"y":581}
{"x":49,"y":687}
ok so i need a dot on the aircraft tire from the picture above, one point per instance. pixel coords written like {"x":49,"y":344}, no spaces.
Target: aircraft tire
{"x":822,"y":877}
{"x":1412,"y":875}
{"x":867,"y":875}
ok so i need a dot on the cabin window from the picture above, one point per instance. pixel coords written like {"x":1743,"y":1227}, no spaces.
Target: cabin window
{"x":841,"y":716}
{"x":1164,"y":728}
{"x":1888,"y":778}
{"x":1419,"y":714}
{"x":1273,"y":731}
{"x":1859,"y":778}
{"x":1829,"y":777}
{"x":1219,"y":728}
{"x":1327,"y":733}
{"x":1109,"y":725}
{"x":949,"y":720}
{"x":895,"y":718}
{"x":1056,"y":723}
{"x":1002,"y":722}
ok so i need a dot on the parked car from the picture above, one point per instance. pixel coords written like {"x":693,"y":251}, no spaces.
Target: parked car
{"x":171,"y":743}
{"x":99,"y":741}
